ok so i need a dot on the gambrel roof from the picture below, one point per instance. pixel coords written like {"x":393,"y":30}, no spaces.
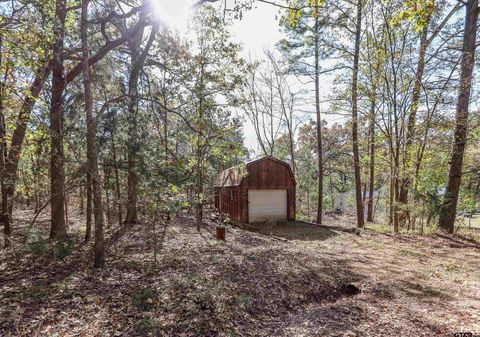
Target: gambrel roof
{"x":233,"y":176}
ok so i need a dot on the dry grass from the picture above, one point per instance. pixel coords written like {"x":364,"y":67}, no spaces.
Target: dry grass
{"x":252,"y":285}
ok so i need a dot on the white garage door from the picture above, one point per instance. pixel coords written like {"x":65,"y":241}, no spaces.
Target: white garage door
{"x":267,"y":204}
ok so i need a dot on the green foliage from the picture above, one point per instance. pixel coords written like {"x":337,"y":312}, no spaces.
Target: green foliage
{"x":143,"y":298}
{"x":416,"y":11}
{"x":144,"y":325}
{"x":65,"y":248}
{"x":433,"y":202}
{"x":298,"y":47}
{"x":38,"y":247}
{"x":294,"y":13}
{"x":38,"y":293}
{"x":35,"y":243}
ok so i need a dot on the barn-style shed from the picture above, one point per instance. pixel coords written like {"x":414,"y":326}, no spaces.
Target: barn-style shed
{"x":260,"y":190}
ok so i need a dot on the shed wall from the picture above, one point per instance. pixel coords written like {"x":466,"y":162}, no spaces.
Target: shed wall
{"x":227,"y":200}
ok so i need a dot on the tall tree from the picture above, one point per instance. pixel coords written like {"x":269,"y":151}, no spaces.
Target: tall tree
{"x":305,"y":46}
{"x":4,"y":216}
{"x":319,"y":118}
{"x":449,"y":206}
{"x":287,"y":101}
{"x":138,"y":57}
{"x":216,"y":72}
{"x":58,"y":228}
{"x":424,"y":43}
{"x":374,"y":62}
{"x":356,"y":155}
{"x":92,"y":156}
{"x":371,"y":180}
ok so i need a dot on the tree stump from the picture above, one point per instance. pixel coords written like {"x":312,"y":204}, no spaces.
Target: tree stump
{"x":220,"y":233}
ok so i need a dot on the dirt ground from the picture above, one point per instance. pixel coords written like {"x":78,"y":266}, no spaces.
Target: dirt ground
{"x":286,"y":280}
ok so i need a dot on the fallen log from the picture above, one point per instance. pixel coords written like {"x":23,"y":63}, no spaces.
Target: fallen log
{"x":456,"y":241}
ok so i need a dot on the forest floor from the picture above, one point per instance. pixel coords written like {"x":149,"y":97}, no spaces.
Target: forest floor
{"x":279,"y":281}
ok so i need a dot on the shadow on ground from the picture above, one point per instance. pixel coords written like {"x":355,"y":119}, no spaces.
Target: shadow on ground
{"x":197,"y":287}
{"x":292,"y":231}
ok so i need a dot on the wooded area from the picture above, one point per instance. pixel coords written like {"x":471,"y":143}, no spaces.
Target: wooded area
{"x":114,"y":126}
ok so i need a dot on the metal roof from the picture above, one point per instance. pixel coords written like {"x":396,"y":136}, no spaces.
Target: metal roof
{"x":231,"y":177}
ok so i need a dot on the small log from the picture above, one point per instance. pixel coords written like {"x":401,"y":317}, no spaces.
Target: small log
{"x":456,"y":241}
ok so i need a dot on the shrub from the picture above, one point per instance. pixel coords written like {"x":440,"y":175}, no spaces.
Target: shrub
{"x":144,"y":325}
{"x":35,"y":243}
{"x":143,"y":299}
{"x":38,"y":247}
{"x":38,"y":293}
{"x":64,"y":249}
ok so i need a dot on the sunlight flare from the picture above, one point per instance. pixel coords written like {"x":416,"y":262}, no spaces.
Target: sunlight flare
{"x":174,"y":14}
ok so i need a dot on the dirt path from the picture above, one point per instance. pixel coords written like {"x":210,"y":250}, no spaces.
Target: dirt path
{"x":253,"y":285}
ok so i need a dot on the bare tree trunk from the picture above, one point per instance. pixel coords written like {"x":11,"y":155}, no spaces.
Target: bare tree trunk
{"x":18,"y":136}
{"x":332,"y":193}
{"x":57,"y":174}
{"x":396,"y":191}
{"x":99,"y":258}
{"x":372,"y":162}
{"x":133,"y":142}
{"x":292,"y":150}
{"x":106,"y":187}
{"x":364,"y":191}
{"x":36,"y":172}
{"x":165,"y":130}
{"x":391,"y":193}
{"x":199,"y":154}
{"x":449,"y":206}
{"x":356,"y":155}
{"x":308,"y":204}
{"x":319,"y":123}
{"x":199,"y":206}
{"x":5,"y":217}
{"x":118,"y":196}
{"x":88,"y":232}
{"x":65,"y":205}
{"x":82,"y":201}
